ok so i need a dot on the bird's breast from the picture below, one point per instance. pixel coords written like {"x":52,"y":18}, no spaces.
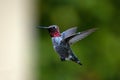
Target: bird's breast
{"x":56,"y":41}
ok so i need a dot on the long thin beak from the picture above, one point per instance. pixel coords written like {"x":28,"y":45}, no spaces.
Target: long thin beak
{"x":43,"y":27}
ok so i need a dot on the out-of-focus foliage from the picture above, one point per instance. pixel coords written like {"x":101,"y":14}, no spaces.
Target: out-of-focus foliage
{"x":99,"y":52}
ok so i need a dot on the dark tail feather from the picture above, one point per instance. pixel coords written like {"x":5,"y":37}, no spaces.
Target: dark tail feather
{"x":62,"y":59}
{"x":76,"y":60}
{"x":79,"y":62}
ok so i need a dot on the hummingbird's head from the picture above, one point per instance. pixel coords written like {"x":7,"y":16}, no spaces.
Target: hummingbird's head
{"x":53,"y":30}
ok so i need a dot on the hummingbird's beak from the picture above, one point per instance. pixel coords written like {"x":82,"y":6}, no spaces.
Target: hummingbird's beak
{"x":43,"y":27}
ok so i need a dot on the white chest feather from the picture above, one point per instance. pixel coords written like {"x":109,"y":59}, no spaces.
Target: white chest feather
{"x":56,"y":41}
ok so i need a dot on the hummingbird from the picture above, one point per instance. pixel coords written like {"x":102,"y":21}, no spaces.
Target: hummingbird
{"x":62,"y":41}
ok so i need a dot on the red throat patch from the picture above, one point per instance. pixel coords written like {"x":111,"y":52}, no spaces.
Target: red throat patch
{"x":55,"y":34}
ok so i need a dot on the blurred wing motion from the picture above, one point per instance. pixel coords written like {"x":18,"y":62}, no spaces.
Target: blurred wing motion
{"x":81,"y":35}
{"x":69,"y":32}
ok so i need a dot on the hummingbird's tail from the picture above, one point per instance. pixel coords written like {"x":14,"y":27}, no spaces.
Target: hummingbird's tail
{"x":75,"y":59}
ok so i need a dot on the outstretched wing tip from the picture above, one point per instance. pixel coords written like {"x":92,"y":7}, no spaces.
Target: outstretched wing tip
{"x":82,"y":35}
{"x":95,"y":28}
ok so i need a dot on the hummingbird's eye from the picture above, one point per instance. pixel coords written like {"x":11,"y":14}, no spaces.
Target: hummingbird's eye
{"x":54,"y":27}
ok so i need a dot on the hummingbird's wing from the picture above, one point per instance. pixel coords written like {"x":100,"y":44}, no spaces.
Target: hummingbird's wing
{"x":81,"y":35}
{"x":68,"y":32}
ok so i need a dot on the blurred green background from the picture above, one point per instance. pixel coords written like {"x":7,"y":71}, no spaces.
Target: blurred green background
{"x":99,"y":52}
